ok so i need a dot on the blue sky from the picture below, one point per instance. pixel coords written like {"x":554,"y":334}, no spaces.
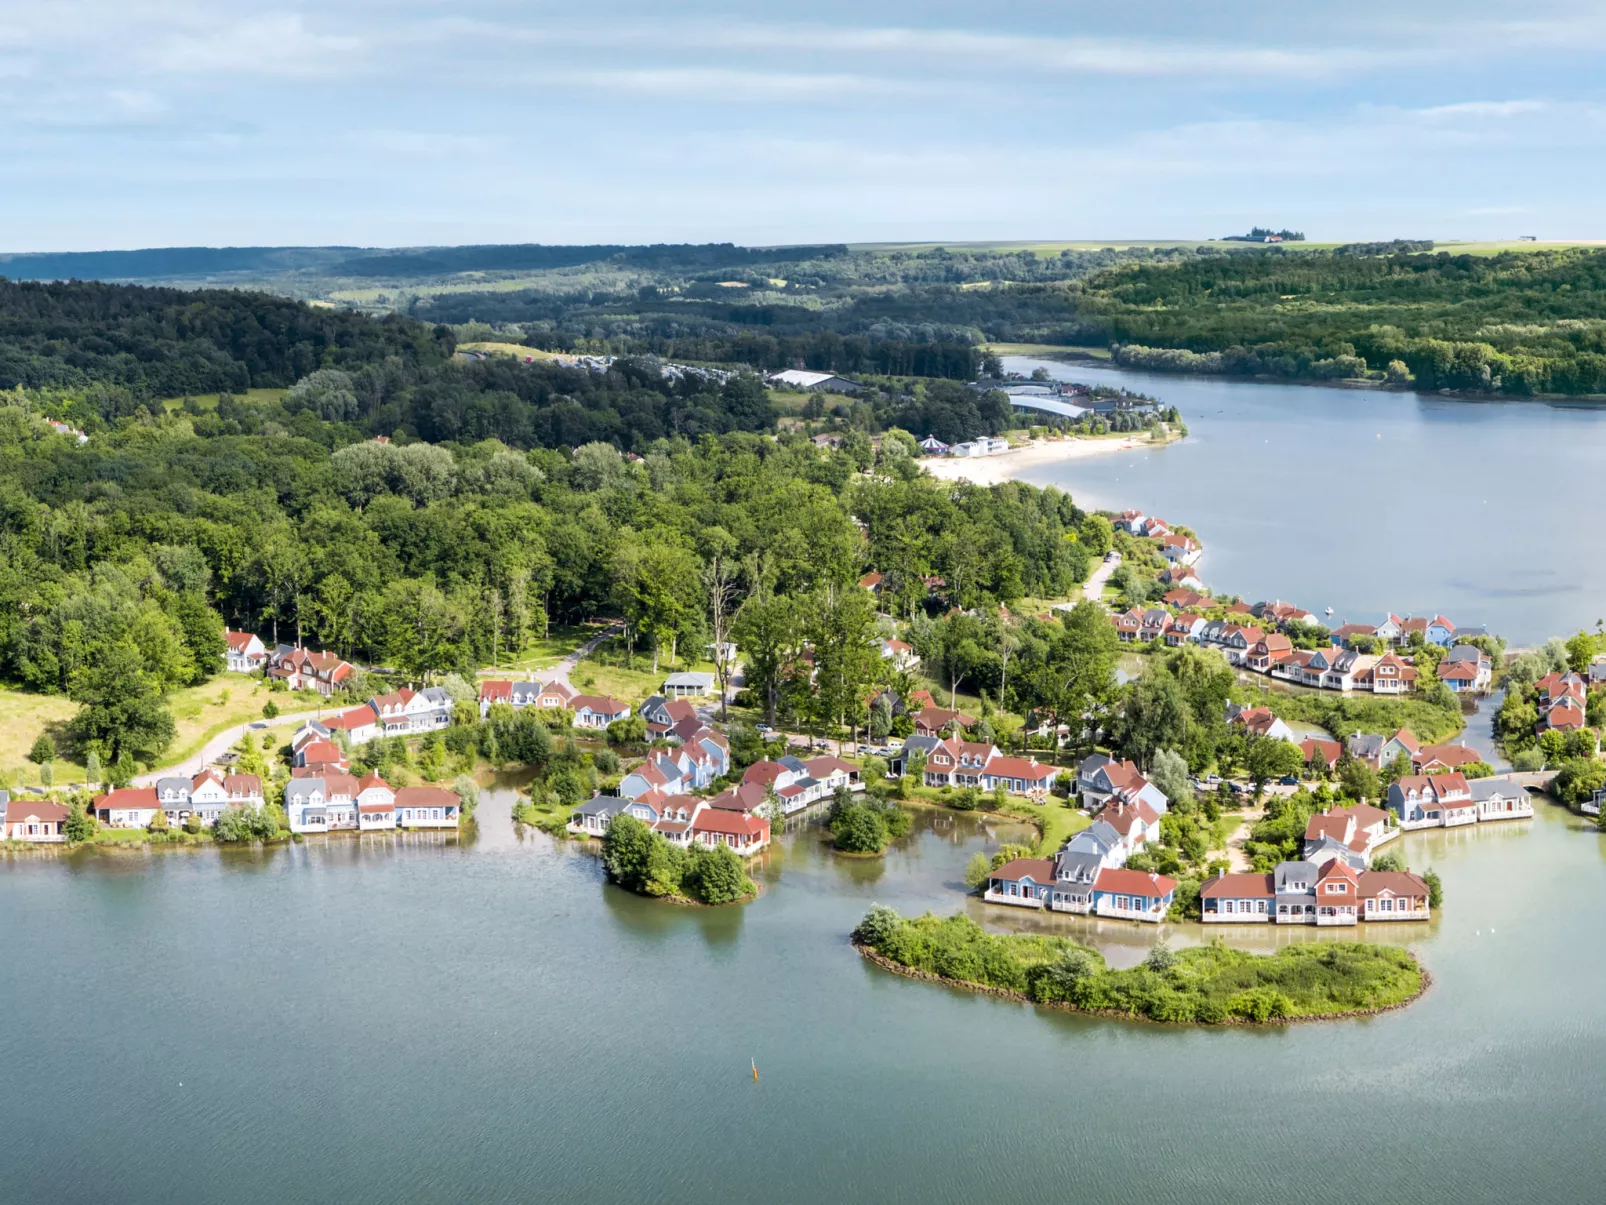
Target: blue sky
{"x":136,"y":123}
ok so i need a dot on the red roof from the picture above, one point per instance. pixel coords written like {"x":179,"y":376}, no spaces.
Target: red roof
{"x":243,"y":784}
{"x":239,"y":641}
{"x":46,"y":810}
{"x":127,"y":797}
{"x":357,"y":717}
{"x":1019,"y":767}
{"x":1329,"y":750}
{"x":1238,"y":887}
{"x":763,"y":772}
{"x":821,"y":767}
{"x":426,"y":797}
{"x":1397,"y":882}
{"x":715,"y":820}
{"x":1039,"y":870}
{"x":370,"y":780}
{"x":496,"y":690}
{"x":1134,"y":882}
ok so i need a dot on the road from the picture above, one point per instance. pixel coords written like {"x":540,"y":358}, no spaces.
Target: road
{"x":226,"y":740}
{"x":1093,"y":590}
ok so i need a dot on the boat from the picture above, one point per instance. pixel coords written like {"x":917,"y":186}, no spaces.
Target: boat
{"x":1329,"y":610}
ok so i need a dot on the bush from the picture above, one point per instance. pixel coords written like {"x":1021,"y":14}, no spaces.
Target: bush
{"x":44,"y":750}
{"x":1527,"y":760}
{"x":877,"y":926}
{"x":606,"y":761}
{"x":270,"y":710}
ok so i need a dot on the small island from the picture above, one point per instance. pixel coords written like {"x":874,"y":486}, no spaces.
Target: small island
{"x":640,"y":860}
{"x":865,"y":825}
{"x":1211,"y":984}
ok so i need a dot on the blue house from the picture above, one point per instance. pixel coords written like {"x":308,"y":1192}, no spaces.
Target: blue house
{"x":1025,"y":883}
{"x":1133,"y":895}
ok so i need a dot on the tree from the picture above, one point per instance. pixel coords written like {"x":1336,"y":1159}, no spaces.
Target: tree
{"x":79,"y":825}
{"x":1397,"y":769}
{"x":768,"y":632}
{"x":92,"y":770}
{"x":1435,"y":888}
{"x":1170,"y":773}
{"x":858,"y":829}
{"x":468,"y":794}
{"x":627,"y":852}
{"x":1580,"y":652}
{"x":1154,"y":716}
{"x":719,"y":585}
{"x":977,"y":870}
{"x":716,"y":876}
{"x":1267,"y":759}
{"x":44,"y":749}
{"x":122,"y":711}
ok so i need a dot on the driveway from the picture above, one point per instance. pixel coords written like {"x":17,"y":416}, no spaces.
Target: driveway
{"x":226,"y":740}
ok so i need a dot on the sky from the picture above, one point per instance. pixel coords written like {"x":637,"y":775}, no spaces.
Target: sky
{"x":181,"y":122}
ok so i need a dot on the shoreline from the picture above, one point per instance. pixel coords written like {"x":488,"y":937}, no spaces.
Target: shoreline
{"x":897,"y":968}
{"x":1005,"y":466}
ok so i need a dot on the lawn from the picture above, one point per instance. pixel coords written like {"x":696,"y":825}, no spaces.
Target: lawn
{"x":201,"y":712}
{"x":208,"y":401}
{"x":22,"y":718}
{"x":517,"y":350}
{"x":1046,"y":350}
{"x":606,"y":672}
{"x":547,"y":651}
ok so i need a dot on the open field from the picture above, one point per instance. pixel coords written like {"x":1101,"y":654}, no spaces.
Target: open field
{"x":545,"y":652}
{"x":208,"y":401}
{"x":1046,"y":350}
{"x":517,"y":350}
{"x":22,"y":718}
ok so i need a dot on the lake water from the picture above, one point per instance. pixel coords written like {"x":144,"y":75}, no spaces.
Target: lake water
{"x":1369,"y":501}
{"x":484,"y":1020}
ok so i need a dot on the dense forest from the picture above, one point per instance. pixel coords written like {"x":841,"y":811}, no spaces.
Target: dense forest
{"x":501,"y":502}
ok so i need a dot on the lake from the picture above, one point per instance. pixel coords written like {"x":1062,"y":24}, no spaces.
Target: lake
{"x":1369,"y":501}
{"x":483,"y":1019}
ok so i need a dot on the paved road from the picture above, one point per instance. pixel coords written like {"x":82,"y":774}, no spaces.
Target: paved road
{"x":1094,"y":587}
{"x":226,"y":740}
{"x":561,"y":672}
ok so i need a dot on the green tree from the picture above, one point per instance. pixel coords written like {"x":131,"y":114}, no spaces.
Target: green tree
{"x":717,"y":877}
{"x":122,"y":710}
{"x":627,"y":849}
{"x":468,"y":794}
{"x":1268,"y":759}
{"x":79,"y":825}
{"x":977,"y":870}
{"x":44,"y":749}
{"x":1170,"y":773}
{"x":1580,"y":652}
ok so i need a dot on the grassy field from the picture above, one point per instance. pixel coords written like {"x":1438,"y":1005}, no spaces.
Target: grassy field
{"x":608,"y":673}
{"x":22,"y":718}
{"x":1046,"y":350}
{"x":208,"y":401}
{"x":545,"y":652}
{"x":517,"y":350}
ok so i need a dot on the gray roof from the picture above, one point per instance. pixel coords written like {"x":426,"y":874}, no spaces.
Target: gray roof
{"x":1367,"y":744}
{"x":1339,"y":850}
{"x":526,"y":690}
{"x":437,"y":695}
{"x":1100,"y":835}
{"x":1492,"y":788}
{"x":690,"y":678}
{"x":1092,"y":763}
{"x":1464,"y":652}
{"x":1300,"y":873}
{"x":173,"y":783}
{"x":299,"y":789}
{"x":601,"y":805}
{"x":793,"y":764}
{"x":1074,"y":867}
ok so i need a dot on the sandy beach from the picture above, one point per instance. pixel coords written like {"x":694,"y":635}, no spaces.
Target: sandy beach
{"x":991,"y":470}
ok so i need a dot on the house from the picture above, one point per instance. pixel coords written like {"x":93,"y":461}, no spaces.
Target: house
{"x":1358,"y":829}
{"x":1559,"y":688}
{"x":1500,"y":799}
{"x":321,"y":805}
{"x":1258,"y":721}
{"x":1128,"y":624}
{"x":1270,"y":651}
{"x":1100,"y":842}
{"x":1331,"y":669}
{"x":1301,"y":893}
{"x":934,"y":721}
{"x":553,"y":695}
{"x":1133,"y":895}
{"x":1236,"y":898}
{"x":1345,"y":634}
{"x":244,"y":652}
{"x":360,"y":724}
{"x":1181,"y":575}
{"x":809,"y":382}
{"x":1389,"y":675}
{"x":1391,"y":630}
{"x":1025,"y":882}
{"x":1433,"y":759}
{"x":1179,"y":550}
{"x":745,"y":834}
{"x":206,"y":795}
{"x":1403,"y":741}
{"x":300,"y":669}
{"x":662,"y":714}
{"x":958,"y":763}
{"x":1153,"y":624}
{"x":1183,"y":599}
{"x":592,"y":818}
{"x":1564,"y":716}
{"x":1184,"y":629}
{"x":1466,"y":668}
{"x":1597,"y":670}
{"x":871,"y":581}
{"x":901,"y":654}
{"x":41,"y":821}
{"x":1237,"y":642}
{"x":658,"y":773}
{"x":1075,"y":873}
{"x":317,"y":755}
{"x":898,"y":761}
{"x":515,"y":694}
{"x":1130,"y":521}
{"x":1102,"y":780}
{"x":1432,"y":801}
{"x":376,"y":804}
{"x":1367,"y":747}
{"x":1434,"y":629}
{"x":1281,"y":613}
{"x":427,"y":807}
{"x":406,"y":711}
{"x":127,"y":807}
{"x":598,"y":711}
{"x":1134,"y":821}
{"x":1322,"y":754}
{"x":832,"y":773}
{"x":684,"y":684}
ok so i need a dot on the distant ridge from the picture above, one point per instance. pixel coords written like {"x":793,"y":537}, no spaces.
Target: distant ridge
{"x":222,"y":264}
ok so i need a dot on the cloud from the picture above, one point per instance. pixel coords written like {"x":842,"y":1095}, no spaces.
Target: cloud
{"x":273,"y":44}
{"x":1484,"y":108}
{"x":722,"y":83}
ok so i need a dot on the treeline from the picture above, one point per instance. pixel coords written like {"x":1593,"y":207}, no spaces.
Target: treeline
{"x":122,"y":557}
{"x":140,"y":344}
{"x":1516,"y":323}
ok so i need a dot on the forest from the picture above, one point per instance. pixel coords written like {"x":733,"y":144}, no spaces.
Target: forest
{"x":500,"y":501}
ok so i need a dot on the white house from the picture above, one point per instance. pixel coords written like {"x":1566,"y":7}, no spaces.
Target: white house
{"x":376,"y":804}
{"x":321,"y":805}
{"x":427,"y":807}
{"x":244,"y":652}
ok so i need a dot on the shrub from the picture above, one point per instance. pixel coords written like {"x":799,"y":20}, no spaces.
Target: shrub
{"x":270,"y":710}
{"x":877,"y":926}
{"x":44,"y":750}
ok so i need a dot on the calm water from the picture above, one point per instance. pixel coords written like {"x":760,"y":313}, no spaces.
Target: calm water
{"x":1368,"y":502}
{"x":487,"y":1021}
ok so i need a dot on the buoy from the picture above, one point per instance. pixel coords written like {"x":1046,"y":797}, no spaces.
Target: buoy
{"x":755,"y":1071}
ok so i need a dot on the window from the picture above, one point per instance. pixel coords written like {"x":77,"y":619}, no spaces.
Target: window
{"x":1260,"y":906}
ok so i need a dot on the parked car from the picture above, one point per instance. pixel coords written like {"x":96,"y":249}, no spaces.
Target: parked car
{"x":763,"y":729}
{"x":1289,"y":780}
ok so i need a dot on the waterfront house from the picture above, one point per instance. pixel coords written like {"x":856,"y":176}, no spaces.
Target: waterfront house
{"x":1127,"y":625}
{"x":1391,"y":630}
{"x":1137,"y":823}
{"x":302,"y":669}
{"x":744,"y":833}
{"x":1237,"y":642}
{"x":38,"y":821}
{"x":1338,"y":888}
{"x":1389,"y":675}
{"x":1075,"y":872}
{"x":1345,"y":634}
{"x":958,"y":763}
{"x":1130,"y":521}
{"x":833,"y":773}
{"x":1270,"y":651}
{"x":1466,"y":668}
{"x":592,"y":818}
{"x":1133,"y":895}
{"x":1102,"y":780}
{"x":1179,"y":549}
{"x":244,"y":652}
{"x":1237,"y":898}
{"x":1432,"y":801}
{"x":1597,"y":669}
{"x":1301,"y":893}
{"x":1183,"y":600}
{"x":1332,"y":669}
{"x":687,"y":683}
{"x":1500,"y":799}
{"x":1025,"y":882}
{"x":1017,"y":775}
{"x":1280,"y":613}
{"x":407,"y":711}
{"x":1153,"y":624}
{"x":427,"y":807}
{"x":1184,"y":629}
{"x":1258,"y":721}
{"x":900,"y":759}
{"x":127,"y":807}
{"x":376,"y":804}
{"x":1184,"y":576}
{"x":321,"y":805}
{"x":206,"y":795}
{"x":598,"y":711}
{"x":657,"y":773}
{"x":1435,"y":629}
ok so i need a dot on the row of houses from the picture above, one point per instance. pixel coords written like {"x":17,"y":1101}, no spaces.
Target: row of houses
{"x":1180,"y":550}
{"x":335,"y":802}
{"x":206,"y":795}
{"x":1308,"y":893}
{"x":730,"y":818}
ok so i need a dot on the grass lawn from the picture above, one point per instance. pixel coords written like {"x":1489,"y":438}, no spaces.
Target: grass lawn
{"x":208,"y":401}
{"x":1045,"y":350}
{"x":546,"y":652}
{"x":608,"y":673}
{"x":201,"y":712}
{"x":22,"y":718}
{"x":517,"y":350}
